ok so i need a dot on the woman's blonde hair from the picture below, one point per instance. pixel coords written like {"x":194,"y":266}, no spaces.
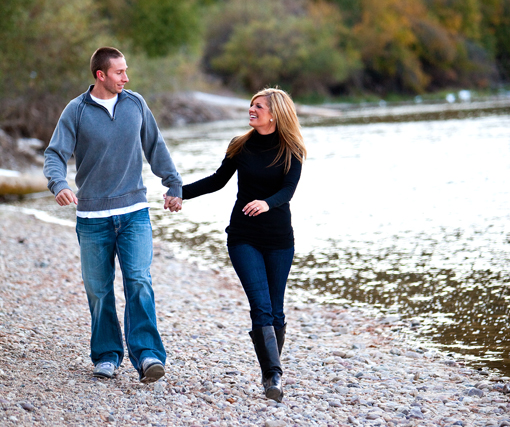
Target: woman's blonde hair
{"x":283,"y":110}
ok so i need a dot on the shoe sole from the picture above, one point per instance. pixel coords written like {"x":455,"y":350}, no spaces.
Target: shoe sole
{"x":153,"y":373}
{"x":274,"y":393}
{"x":102,"y":376}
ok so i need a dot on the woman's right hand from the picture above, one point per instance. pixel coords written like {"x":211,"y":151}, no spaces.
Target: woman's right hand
{"x":174,"y":204}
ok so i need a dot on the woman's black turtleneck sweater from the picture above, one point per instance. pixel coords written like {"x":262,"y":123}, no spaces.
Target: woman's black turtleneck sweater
{"x":256,"y":181}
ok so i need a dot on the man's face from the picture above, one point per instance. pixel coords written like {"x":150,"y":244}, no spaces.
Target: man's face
{"x":116,"y":77}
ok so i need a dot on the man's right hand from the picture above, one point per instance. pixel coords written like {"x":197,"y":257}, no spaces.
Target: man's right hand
{"x":66,"y":197}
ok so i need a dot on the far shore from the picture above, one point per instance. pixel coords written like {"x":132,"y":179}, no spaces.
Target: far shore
{"x":418,"y":109}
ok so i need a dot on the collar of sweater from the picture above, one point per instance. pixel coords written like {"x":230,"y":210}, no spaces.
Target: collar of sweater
{"x":266,"y":141}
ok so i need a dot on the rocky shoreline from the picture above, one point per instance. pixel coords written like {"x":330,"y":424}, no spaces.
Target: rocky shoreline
{"x":341,"y":367}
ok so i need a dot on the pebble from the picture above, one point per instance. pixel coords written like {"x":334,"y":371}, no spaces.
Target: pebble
{"x":475,"y":392}
{"x":159,"y":388}
{"x":341,"y":366}
{"x":353,"y":420}
{"x":27,"y":406}
{"x":278,"y":423}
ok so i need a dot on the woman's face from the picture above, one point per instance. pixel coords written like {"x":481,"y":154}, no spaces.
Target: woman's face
{"x":260,"y":117}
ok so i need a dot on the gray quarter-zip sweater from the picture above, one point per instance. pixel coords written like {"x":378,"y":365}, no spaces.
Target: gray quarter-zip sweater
{"x":109,"y":152}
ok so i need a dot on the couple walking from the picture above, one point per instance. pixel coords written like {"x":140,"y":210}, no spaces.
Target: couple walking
{"x":109,"y":130}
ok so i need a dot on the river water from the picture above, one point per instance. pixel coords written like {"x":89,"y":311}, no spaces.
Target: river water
{"x":408,"y":218}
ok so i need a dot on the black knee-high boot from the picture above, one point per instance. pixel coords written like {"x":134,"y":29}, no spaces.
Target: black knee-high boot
{"x":266,"y":348}
{"x":280,"y":338}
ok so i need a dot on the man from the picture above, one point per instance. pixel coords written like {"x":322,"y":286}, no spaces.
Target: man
{"x":108,"y":130}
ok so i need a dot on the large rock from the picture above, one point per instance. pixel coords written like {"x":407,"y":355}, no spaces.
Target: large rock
{"x":21,"y":154}
{"x":15,"y":183}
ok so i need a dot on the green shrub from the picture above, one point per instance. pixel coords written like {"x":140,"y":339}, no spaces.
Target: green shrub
{"x":269,"y":45}
{"x":45,"y":52}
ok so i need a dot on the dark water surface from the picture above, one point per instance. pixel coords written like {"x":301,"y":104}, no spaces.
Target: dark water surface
{"x":408,"y":218}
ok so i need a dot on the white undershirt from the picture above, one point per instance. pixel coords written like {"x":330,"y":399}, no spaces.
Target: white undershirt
{"x":112,"y":212}
{"x":109,"y":104}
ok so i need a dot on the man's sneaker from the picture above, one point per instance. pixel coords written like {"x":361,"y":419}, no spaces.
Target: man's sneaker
{"x":152,"y":370}
{"x":104,"y":370}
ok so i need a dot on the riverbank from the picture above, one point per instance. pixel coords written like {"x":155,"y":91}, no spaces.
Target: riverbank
{"x":175,"y":110}
{"x":340,"y":367}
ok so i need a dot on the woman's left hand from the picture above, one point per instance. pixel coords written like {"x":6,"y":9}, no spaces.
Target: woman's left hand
{"x":256,"y":208}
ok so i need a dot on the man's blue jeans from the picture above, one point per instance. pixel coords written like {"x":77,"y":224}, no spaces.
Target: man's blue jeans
{"x":129,"y":237}
{"x":263,"y":274}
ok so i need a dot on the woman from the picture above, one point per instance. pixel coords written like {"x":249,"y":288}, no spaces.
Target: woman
{"x":260,"y":241}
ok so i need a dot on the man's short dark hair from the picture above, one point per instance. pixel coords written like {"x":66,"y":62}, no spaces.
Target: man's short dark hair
{"x":100,"y":60}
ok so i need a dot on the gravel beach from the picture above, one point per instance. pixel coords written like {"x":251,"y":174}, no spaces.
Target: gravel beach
{"x":341,"y":368}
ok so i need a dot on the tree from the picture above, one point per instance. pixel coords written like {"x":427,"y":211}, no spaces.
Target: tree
{"x":155,"y":27}
{"x":387,"y":41}
{"x":419,"y":45}
{"x":270,"y":45}
{"x":496,"y":33}
{"x":351,"y":10}
{"x":459,"y":17}
{"x":502,"y":35}
{"x":468,"y":24}
{"x":46,"y":48}
{"x":45,"y":52}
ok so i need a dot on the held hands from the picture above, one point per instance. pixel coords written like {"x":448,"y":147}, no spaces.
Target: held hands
{"x":174,"y":204}
{"x":255,"y":208}
{"x":66,"y":197}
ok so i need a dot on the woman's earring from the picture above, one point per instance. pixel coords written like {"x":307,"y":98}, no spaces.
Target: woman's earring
{"x":270,"y":120}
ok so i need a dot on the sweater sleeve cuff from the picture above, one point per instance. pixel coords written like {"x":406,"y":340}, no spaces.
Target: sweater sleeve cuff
{"x":270,"y":202}
{"x":58,"y":187}
{"x":175,"y":191}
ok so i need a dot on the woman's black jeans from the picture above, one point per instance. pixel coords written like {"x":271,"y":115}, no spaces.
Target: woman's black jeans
{"x":263,"y":274}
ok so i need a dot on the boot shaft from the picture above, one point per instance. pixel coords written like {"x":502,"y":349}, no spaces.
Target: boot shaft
{"x":280,"y":338}
{"x":266,"y":348}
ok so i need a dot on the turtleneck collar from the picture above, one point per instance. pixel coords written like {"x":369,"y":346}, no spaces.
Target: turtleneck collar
{"x":269,"y":140}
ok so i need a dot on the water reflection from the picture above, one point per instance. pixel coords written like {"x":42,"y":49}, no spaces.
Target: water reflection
{"x":465,"y":312}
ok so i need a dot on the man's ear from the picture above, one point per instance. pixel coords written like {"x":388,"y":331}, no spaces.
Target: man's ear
{"x":100,"y":75}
